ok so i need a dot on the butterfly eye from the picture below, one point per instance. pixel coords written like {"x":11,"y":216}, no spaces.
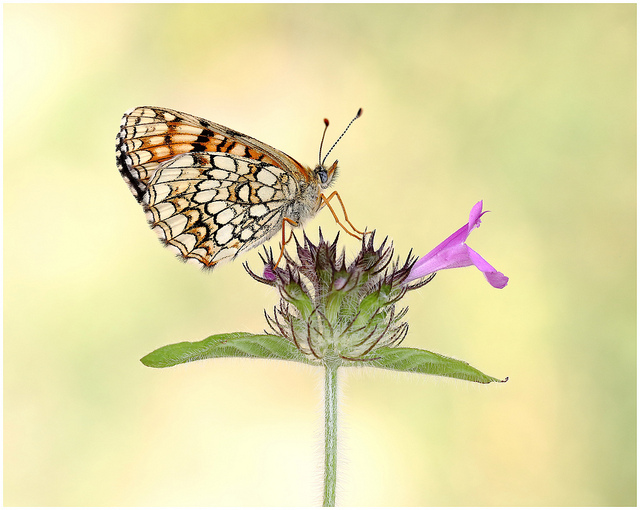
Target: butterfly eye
{"x":322,"y":175}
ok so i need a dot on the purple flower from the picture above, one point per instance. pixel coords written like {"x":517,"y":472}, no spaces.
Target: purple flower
{"x":454,"y":252}
{"x":269,"y":273}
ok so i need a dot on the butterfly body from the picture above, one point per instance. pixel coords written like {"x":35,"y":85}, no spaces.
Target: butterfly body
{"x":209,"y":192}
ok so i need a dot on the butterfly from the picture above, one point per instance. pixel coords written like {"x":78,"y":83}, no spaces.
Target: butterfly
{"x":211,"y":193}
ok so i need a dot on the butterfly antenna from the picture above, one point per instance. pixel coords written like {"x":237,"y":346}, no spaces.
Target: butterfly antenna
{"x":326,"y":123}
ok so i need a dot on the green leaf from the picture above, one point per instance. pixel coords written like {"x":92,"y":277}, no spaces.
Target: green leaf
{"x":226,"y":345}
{"x":248,"y":345}
{"x":405,"y":359}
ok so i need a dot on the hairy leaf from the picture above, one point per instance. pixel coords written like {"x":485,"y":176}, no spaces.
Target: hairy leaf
{"x":226,"y":345}
{"x":405,"y":359}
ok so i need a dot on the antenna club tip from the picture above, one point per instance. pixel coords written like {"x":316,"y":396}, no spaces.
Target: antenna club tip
{"x":359,"y":114}
{"x":326,"y":122}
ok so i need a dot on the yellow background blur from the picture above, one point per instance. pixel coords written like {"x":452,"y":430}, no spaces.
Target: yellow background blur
{"x":529,"y":107}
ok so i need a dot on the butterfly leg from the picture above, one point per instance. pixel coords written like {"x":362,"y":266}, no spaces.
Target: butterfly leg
{"x":293,"y":224}
{"x":325,"y":201}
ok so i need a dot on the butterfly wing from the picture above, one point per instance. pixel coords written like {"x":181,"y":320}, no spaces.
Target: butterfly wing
{"x":208,"y":207}
{"x":149,"y":136}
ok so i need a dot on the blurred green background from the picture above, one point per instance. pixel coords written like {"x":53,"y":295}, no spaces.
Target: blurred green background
{"x":529,"y":107}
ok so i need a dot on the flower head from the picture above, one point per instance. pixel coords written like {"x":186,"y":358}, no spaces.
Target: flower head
{"x":329,"y":308}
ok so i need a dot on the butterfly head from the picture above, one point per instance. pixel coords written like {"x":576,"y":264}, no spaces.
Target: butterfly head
{"x":324,"y":176}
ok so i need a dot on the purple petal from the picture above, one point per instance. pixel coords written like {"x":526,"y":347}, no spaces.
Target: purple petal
{"x":450,"y":257}
{"x":493,"y":276}
{"x":455,"y":239}
{"x":269,"y":273}
{"x":475,"y":215}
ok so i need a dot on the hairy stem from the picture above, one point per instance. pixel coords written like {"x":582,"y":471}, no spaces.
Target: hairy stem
{"x":330,"y":433}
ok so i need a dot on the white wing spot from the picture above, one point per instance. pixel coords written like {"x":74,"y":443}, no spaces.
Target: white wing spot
{"x":155,"y":140}
{"x":243,"y":192}
{"x":266,"y":177}
{"x":258,"y":210}
{"x":243,"y":168}
{"x":216,"y":173}
{"x":209,"y":184}
{"x":182,"y":148}
{"x":238,"y":150}
{"x":161,"y":192}
{"x":185,"y":128}
{"x":162,"y":151}
{"x":225,"y":216}
{"x":165,"y":210}
{"x":177,"y":224}
{"x":224,"y":162}
{"x":265,"y":193}
{"x":222,"y":194}
{"x":215,"y":207}
{"x":187,"y":240}
{"x":224,"y":234}
{"x":202,"y":197}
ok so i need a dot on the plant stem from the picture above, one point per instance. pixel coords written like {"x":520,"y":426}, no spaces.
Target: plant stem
{"x":330,"y":433}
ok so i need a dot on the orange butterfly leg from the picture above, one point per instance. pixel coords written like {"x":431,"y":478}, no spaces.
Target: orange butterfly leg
{"x":293,"y":224}
{"x":325,"y":201}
